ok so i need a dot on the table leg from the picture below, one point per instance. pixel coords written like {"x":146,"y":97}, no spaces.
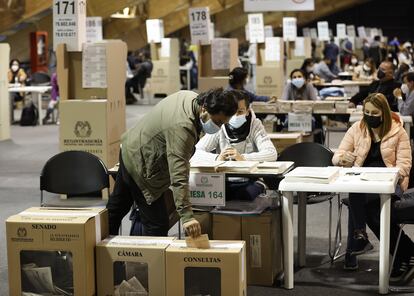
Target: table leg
{"x":188,"y":80}
{"x":384,"y":243}
{"x":302,"y":228}
{"x":39,"y":106}
{"x":287,"y":223}
{"x":407,"y":126}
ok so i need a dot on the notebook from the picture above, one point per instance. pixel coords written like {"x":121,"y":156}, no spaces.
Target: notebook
{"x":271,"y":167}
{"x":321,"y":175}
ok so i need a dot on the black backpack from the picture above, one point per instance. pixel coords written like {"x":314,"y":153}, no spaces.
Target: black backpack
{"x":29,"y":115}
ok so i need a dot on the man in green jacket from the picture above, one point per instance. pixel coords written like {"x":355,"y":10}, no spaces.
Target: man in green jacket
{"x":155,"y":156}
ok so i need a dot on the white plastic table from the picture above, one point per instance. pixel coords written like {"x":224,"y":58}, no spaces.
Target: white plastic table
{"x":37,"y":92}
{"x":343,"y":184}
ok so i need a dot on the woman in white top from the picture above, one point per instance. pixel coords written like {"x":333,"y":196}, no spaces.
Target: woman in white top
{"x":243,"y":138}
{"x":365,"y":71}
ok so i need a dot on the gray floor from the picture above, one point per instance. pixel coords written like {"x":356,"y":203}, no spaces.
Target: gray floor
{"x":22,"y":158}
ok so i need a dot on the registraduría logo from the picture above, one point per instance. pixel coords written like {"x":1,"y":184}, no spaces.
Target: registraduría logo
{"x":267,"y":80}
{"x":83,"y":129}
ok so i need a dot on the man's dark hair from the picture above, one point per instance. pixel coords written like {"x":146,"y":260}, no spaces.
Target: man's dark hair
{"x":237,"y":76}
{"x":409,"y":76}
{"x":377,"y":38}
{"x":217,"y":101}
{"x":242,"y":95}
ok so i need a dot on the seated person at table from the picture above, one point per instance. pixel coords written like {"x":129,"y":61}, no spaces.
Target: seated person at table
{"x":298,"y":88}
{"x":16,"y":75}
{"x":323,"y":71}
{"x":308,"y":67}
{"x":405,"y":96}
{"x":243,"y":138}
{"x":365,"y":71}
{"x":385,"y":85}
{"x":354,"y":63}
{"x":238,"y":80}
{"x":378,"y":140}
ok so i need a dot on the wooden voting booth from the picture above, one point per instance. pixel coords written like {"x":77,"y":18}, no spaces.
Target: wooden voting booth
{"x":269,"y":69}
{"x":297,"y":51}
{"x":210,"y":77}
{"x":4,"y":94}
{"x":165,"y":76}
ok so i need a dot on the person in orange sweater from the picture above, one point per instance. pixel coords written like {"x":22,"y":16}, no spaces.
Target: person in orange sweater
{"x":378,"y":140}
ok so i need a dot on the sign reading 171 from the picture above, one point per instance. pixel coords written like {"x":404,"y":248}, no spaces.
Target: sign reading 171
{"x":68,"y":7}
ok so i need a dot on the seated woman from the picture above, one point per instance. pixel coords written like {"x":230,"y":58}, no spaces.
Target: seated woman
{"x":308,"y":67}
{"x":378,"y":140}
{"x":238,"y":80}
{"x":354,"y":63}
{"x":243,"y":138}
{"x":366,"y":71}
{"x":299,"y":89}
{"x":16,"y":75}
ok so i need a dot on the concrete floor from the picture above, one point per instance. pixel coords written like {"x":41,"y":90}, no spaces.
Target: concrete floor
{"x":22,"y":158}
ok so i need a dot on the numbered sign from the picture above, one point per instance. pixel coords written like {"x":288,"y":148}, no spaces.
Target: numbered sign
{"x":314,"y":33}
{"x":207,"y":189}
{"x":341,"y":31}
{"x":256,"y":28}
{"x":300,"y":122}
{"x":268,"y":31}
{"x":306,"y":32}
{"x":94,"y":29}
{"x":361,"y":32}
{"x":155,"y":30}
{"x":350,"y":30}
{"x":289,"y":29}
{"x":272,"y":49}
{"x":323,"y":30}
{"x":220,"y":54}
{"x":200,"y":25}
{"x":69,"y":23}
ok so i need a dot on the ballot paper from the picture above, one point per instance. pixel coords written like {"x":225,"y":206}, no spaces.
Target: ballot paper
{"x":220,"y":56}
{"x":39,"y":277}
{"x":132,"y":287}
{"x":200,"y":242}
{"x":321,"y":175}
{"x":378,"y":177}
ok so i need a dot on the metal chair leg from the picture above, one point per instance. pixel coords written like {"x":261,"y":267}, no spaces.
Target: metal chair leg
{"x":338,"y":234}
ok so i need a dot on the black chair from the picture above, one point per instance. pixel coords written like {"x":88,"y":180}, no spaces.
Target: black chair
{"x":40,"y":79}
{"x":313,"y":155}
{"x":81,"y":177}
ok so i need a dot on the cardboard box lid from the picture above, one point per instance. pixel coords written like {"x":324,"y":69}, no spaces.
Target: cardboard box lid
{"x":136,"y":242}
{"x":215,"y":247}
{"x":55,"y":215}
{"x":284,"y":135}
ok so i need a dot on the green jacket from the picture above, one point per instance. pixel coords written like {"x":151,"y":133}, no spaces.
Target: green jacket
{"x":157,"y":150}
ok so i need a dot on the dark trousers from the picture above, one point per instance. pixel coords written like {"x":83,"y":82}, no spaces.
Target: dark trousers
{"x":154,"y":217}
{"x":370,"y":211}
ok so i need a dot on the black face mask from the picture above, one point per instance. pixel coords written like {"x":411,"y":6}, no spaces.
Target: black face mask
{"x":372,"y":121}
{"x":380,"y":74}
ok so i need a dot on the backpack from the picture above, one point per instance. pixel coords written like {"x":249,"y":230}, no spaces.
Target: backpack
{"x":29,"y":115}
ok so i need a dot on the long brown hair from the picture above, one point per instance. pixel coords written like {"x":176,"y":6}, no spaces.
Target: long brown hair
{"x":380,"y":101}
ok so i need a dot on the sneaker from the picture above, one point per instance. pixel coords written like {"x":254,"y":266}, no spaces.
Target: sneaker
{"x":361,"y":244}
{"x":404,"y":273}
{"x":351,"y":262}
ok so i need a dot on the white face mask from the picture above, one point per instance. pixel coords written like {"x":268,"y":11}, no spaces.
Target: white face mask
{"x":405,"y":89}
{"x":366,"y":68}
{"x":298,"y":82}
{"x":354,"y":61}
{"x":237,"y":121}
{"x":15,"y":68}
{"x":209,"y":127}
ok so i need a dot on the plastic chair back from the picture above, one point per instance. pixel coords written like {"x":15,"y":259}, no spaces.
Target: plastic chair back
{"x":307,"y":154}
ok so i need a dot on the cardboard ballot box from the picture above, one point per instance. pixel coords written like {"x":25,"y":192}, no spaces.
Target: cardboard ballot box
{"x":283,"y":140}
{"x":93,"y":126}
{"x":219,"y":270}
{"x":101,"y":68}
{"x":127,"y":265}
{"x":263,"y":237}
{"x":52,"y":251}
{"x":269,"y":81}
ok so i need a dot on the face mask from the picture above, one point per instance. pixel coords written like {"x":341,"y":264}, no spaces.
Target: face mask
{"x":405,"y":89}
{"x":210,"y":127}
{"x":237,"y":121}
{"x":15,"y":68}
{"x":380,"y":74}
{"x":354,"y":61}
{"x":366,"y":68}
{"x":372,"y":121}
{"x":298,"y":82}
{"x":309,"y":69}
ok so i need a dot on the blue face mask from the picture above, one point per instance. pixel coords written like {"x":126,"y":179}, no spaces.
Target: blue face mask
{"x":237,"y":121}
{"x":209,"y":127}
{"x":298,"y":82}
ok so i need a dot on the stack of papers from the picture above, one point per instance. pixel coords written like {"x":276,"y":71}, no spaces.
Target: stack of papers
{"x":225,"y":166}
{"x":379,"y":177}
{"x":320,"y":175}
{"x":131,"y":287}
{"x":272,"y":167}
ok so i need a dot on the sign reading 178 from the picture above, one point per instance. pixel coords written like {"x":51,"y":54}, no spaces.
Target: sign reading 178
{"x":198,"y":15}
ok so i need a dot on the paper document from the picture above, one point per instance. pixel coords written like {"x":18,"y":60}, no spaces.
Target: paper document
{"x":323,"y":175}
{"x":379,"y":177}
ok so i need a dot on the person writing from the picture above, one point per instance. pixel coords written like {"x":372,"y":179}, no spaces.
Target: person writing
{"x":242,"y":138}
{"x":378,"y":140}
{"x":155,"y":155}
